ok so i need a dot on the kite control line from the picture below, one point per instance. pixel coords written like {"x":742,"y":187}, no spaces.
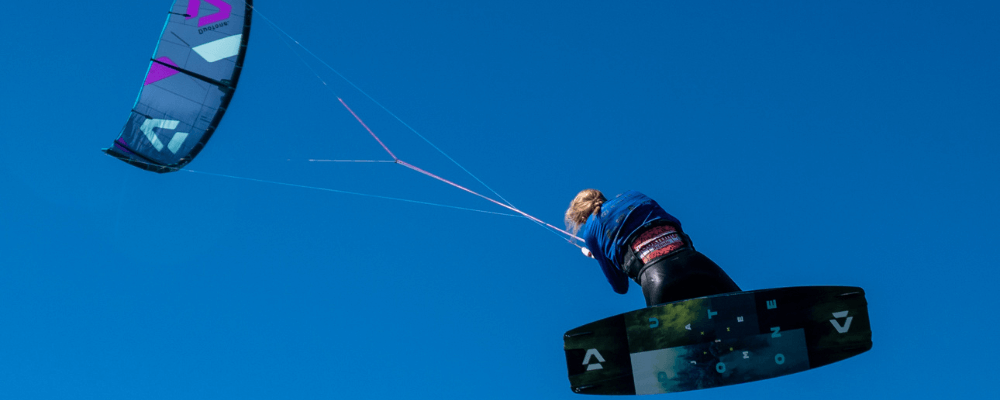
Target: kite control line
{"x":508,"y":206}
{"x":368,"y":129}
{"x":415,"y":168}
{"x":526,"y":215}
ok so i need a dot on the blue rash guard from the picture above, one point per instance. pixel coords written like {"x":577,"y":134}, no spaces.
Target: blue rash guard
{"x":620,"y":217}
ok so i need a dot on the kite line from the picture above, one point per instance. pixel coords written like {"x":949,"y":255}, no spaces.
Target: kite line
{"x":505,"y":204}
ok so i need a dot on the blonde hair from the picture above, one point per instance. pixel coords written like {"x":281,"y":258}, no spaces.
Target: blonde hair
{"x":586,"y":203}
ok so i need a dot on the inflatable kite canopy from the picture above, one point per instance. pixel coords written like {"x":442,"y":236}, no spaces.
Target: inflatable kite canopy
{"x":190,"y":82}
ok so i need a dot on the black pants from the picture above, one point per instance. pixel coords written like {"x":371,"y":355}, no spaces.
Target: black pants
{"x":683,"y":275}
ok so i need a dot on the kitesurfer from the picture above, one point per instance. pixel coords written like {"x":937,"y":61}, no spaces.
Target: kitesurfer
{"x":631,"y":236}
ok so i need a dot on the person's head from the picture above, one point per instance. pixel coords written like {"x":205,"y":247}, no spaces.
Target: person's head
{"x":585,"y":204}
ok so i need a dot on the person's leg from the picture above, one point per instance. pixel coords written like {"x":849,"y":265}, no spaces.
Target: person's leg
{"x":686,"y":275}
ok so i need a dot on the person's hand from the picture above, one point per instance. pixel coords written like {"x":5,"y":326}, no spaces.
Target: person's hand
{"x":586,"y":252}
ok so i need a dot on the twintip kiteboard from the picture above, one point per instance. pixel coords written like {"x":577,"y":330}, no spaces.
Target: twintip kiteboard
{"x":718,"y":340}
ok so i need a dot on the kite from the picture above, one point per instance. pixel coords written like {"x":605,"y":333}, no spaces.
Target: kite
{"x":191,"y":79}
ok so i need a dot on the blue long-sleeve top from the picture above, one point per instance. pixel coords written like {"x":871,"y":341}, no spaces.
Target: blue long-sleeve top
{"x":606,"y":232}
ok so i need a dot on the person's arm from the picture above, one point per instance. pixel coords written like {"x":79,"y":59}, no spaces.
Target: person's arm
{"x":617,"y":278}
{"x":590,"y":233}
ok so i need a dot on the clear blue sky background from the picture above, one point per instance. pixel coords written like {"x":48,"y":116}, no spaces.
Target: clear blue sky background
{"x":802,"y":143}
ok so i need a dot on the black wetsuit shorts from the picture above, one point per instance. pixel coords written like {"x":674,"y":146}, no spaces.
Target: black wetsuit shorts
{"x":685,"y":274}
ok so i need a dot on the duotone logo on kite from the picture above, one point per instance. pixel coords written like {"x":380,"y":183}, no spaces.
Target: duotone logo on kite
{"x":225,"y":11}
{"x":595,"y":354}
{"x":150,"y":126}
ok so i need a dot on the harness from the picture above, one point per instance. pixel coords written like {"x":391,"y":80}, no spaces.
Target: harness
{"x":632,"y":263}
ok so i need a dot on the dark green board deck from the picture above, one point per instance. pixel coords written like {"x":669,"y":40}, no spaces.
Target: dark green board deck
{"x":718,"y":340}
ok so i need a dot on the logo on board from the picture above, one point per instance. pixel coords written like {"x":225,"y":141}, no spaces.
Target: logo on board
{"x":836,"y":324}
{"x":593,"y":353}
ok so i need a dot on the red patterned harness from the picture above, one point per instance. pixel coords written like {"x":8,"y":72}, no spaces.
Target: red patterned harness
{"x":657,"y":241}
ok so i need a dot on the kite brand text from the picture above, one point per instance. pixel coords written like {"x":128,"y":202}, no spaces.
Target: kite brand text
{"x":213,"y":27}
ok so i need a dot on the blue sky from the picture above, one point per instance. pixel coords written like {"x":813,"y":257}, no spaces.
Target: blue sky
{"x":801,"y":143}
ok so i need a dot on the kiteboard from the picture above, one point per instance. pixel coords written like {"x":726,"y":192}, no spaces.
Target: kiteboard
{"x":718,"y":340}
